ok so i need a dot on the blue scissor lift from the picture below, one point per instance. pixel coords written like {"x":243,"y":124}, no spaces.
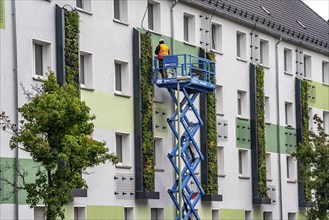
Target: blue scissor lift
{"x":195,"y":75}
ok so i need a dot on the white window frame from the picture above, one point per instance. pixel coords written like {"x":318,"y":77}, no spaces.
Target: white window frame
{"x":243,"y":163}
{"x":157,"y":213}
{"x":129,"y":213}
{"x":85,"y":5}
{"x":310,"y":118}
{"x":264,"y":52}
{"x":289,"y":115}
{"x":80,"y":211}
{"x":46,"y":58}
{"x":123,"y":11}
{"x":267,"y":109}
{"x":326,"y":122}
{"x":216,"y":37}
{"x":37,"y":211}
{"x":291,"y":168}
{"x":267,"y":215}
{"x":268,"y":158}
{"x":156,"y":16}
{"x":287,"y":61}
{"x":325,"y":72}
{"x":190,"y":28}
{"x":158,"y":154}
{"x":125,"y":80}
{"x":241,"y":103}
{"x":292,"y":216}
{"x":219,"y":99}
{"x":307,"y":66}
{"x":220,"y":160}
{"x":88,"y":70}
{"x":125,"y":148}
{"x":215,"y":214}
{"x":247,"y":214}
{"x":241,"y":45}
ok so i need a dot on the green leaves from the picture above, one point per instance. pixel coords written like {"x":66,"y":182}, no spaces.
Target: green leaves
{"x":260,"y":106}
{"x":147,"y":111}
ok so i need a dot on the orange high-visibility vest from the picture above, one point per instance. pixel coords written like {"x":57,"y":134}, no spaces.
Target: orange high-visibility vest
{"x":164,"y":51}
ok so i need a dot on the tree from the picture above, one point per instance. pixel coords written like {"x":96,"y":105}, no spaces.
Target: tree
{"x":56,"y":132}
{"x":315,"y":154}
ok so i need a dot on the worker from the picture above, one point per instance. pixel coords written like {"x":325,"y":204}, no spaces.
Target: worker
{"x":162,"y":50}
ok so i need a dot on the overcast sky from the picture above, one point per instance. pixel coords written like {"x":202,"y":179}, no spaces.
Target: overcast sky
{"x":319,"y":6}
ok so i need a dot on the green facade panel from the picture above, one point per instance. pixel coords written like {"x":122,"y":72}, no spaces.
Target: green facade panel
{"x":142,"y":212}
{"x":105,"y":212}
{"x":2,"y":14}
{"x":229,"y":214}
{"x":114,"y":113}
{"x":160,"y":115}
{"x":318,"y":95}
{"x":243,"y":133}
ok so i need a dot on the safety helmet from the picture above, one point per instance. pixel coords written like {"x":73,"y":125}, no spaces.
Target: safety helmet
{"x":161,"y":41}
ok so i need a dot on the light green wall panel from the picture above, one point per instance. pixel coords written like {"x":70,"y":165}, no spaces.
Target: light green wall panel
{"x":69,"y":212}
{"x":142,"y":212}
{"x":205,"y":213}
{"x":243,"y":133}
{"x":112,"y":112}
{"x":2,"y":14}
{"x":160,"y":115}
{"x":7,"y":172}
{"x":169,"y":213}
{"x":301,"y":216}
{"x":257,"y":214}
{"x":321,"y":94}
{"x":105,"y":212}
{"x":229,"y":214}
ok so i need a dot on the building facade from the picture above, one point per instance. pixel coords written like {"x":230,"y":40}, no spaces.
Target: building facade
{"x":287,"y":38}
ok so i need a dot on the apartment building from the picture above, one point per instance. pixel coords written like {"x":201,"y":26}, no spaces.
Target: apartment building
{"x":286,"y":38}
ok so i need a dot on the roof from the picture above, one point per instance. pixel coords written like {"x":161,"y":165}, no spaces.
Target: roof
{"x":291,"y":19}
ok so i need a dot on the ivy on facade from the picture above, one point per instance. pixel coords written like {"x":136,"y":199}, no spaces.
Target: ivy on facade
{"x":261,"y":131}
{"x":72,"y":47}
{"x":147,"y":111}
{"x":212,"y":187}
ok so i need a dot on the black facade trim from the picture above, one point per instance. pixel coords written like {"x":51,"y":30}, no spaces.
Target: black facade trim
{"x":60,"y":42}
{"x":209,"y":198}
{"x":79,"y":193}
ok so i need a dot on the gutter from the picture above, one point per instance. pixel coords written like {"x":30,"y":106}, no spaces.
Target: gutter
{"x":278,"y":122}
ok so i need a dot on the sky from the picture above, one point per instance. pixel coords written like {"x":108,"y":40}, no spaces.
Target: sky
{"x":319,"y":6}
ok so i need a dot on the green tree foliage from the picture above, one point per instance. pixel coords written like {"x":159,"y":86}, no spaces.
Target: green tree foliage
{"x":315,"y":154}
{"x":261,"y":132}
{"x":147,"y":111}
{"x":212,"y":187}
{"x":56,"y":132}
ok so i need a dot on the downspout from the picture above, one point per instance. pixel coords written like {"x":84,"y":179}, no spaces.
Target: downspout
{"x":278,"y":123}
{"x":16,"y":165}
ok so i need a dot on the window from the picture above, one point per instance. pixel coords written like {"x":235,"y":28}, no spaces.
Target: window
{"x":39,"y":213}
{"x":241,"y":45}
{"x":84,"y":5}
{"x":129,"y":213}
{"x":287,"y":60}
{"x":158,"y":153}
{"x":189,"y":28}
{"x":325,"y":72}
{"x":307,"y":66}
{"x":216,"y":37}
{"x":310,"y":119}
{"x":291,"y":216}
{"x":220,"y":160}
{"x":267,"y":110}
{"x":288,"y":114}
{"x":243,"y":163}
{"x":154,"y":15}
{"x":264,"y":52}
{"x":241,"y":102}
{"x":326,"y":122}
{"x":79,"y":213}
{"x":268,"y":166}
{"x":86,"y":70}
{"x":267,"y":215}
{"x":192,"y":216}
{"x":215,"y":214}
{"x":247,"y":215}
{"x":42,"y":57}
{"x":157,"y":213}
{"x":219,"y":100}
{"x":120,"y":8}
{"x":121,"y":78}
{"x":150,"y":16}
{"x":122,"y":143}
{"x":291,"y":168}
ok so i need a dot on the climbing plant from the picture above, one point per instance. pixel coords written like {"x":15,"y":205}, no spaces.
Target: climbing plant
{"x":147,"y":105}
{"x":72,"y":47}
{"x":261,"y":131}
{"x":212,"y":186}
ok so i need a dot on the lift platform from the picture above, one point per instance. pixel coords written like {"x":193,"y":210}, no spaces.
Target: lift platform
{"x":191,"y":76}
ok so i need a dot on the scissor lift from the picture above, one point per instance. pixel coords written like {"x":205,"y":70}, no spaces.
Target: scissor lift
{"x":192,"y":75}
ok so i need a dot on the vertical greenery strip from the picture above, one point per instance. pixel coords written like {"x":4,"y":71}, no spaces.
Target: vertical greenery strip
{"x":305,"y":148}
{"x":261,"y":132}
{"x":72,"y":48}
{"x":212,"y":186}
{"x":147,"y":103}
